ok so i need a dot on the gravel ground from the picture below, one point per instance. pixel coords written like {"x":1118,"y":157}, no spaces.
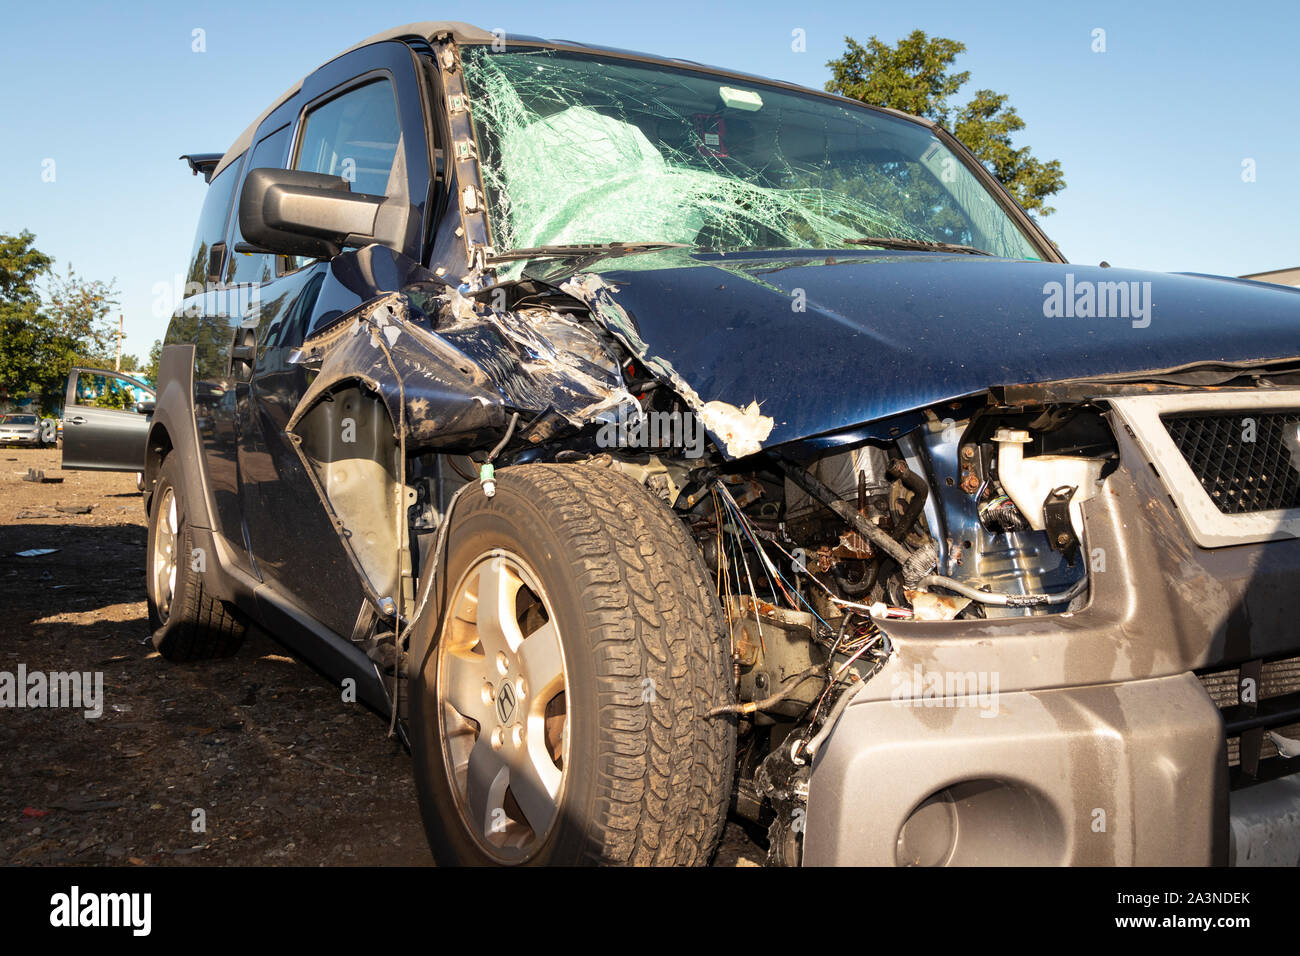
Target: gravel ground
{"x":281,"y":769}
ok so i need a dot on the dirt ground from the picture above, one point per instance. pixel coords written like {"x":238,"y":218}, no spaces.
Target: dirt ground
{"x":283,"y":771}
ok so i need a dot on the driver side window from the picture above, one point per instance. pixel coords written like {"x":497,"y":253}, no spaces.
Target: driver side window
{"x":355,"y":136}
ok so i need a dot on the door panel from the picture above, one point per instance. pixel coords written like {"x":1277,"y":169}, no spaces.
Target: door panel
{"x":292,"y":538}
{"x":103,"y":426}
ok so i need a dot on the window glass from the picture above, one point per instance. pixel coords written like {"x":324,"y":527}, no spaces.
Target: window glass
{"x":578,"y":148}
{"x":106,"y":390}
{"x":270,"y":153}
{"x":212,"y":222}
{"x":354,"y":136}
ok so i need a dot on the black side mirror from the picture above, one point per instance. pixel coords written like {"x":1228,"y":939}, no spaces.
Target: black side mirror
{"x":294,"y":213}
{"x":146,"y":408}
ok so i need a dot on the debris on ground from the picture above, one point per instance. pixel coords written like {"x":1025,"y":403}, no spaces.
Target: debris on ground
{"x":40,"y":477}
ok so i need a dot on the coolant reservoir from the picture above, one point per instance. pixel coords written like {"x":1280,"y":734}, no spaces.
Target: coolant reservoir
{"x":1029,"y":481}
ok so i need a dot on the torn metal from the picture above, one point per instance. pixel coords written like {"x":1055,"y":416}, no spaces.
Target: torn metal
{"x":738,"y":431}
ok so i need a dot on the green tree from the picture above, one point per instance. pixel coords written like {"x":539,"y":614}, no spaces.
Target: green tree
{"x":77,"y":310}
{"x":45,"y":332}
{"x":22,"y":266}
{"x":914,"y":76}
{"x":150,"y":370}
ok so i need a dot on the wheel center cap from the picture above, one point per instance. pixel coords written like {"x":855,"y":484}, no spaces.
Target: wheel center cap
{"x":506,"y":702}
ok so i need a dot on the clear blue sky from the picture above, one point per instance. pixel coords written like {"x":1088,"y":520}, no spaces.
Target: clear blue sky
{"x":1152,"y":133}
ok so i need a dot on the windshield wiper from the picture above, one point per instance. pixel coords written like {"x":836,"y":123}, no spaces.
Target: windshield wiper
{"x":896,"y":242}
{"x":578,"y":250}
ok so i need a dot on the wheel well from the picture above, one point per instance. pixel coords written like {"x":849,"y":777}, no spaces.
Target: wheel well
{"x":157,"y":448}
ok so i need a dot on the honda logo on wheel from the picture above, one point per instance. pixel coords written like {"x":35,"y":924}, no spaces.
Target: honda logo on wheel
{"x":506,"y":702}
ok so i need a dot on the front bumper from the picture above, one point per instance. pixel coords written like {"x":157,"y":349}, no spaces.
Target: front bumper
{"x":20,"y":438}
{"x":1121,"y":774}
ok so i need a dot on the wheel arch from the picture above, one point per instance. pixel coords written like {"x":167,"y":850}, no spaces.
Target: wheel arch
{"x":173,"y":431}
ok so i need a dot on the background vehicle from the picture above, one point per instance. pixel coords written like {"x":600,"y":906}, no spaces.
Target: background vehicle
{"x":431,"y":423}
{"x":20,"y":429}
{"x":105,"y":420}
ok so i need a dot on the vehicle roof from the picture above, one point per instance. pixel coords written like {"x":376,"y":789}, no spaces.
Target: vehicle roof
{"x":465,"y":33}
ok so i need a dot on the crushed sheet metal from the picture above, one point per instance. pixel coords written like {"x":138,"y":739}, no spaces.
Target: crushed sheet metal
{"x":448,"y":397}
{"x":740,"y":431}
{"x":460,"y":379}
{"x":541,"y":360}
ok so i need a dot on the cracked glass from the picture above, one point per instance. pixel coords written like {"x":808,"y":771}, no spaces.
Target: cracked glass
{"x":579,"y":148}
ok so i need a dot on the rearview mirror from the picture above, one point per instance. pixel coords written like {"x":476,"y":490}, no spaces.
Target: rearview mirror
{"x":289,"y":212}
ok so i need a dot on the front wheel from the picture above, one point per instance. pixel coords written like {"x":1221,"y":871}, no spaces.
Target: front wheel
{"x":559,"y":717}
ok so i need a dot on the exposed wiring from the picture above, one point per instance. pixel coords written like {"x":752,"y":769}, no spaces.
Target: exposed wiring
{"x":739,"y":562}
{"x":400,"y":624}
{"x":1002,"y":599}
{"x":787,"y":688}
{"x":744,"y":523}
{"x":801,"y":755}
{"x":486,"y":473}
{"x":505,"y":439}
{"x":809,"y":750}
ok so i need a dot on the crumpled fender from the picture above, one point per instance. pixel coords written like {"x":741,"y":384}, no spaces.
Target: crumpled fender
{"x":460,"y":379}
{"x":737,"y":431}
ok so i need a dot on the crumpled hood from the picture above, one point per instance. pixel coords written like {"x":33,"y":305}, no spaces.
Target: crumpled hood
{"x":884,"y":333}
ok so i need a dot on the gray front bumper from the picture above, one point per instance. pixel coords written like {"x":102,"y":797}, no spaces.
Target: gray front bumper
{"x":1130,"y":773}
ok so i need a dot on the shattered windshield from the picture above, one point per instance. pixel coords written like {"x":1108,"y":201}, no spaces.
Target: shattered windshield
{"x":578,"y":148}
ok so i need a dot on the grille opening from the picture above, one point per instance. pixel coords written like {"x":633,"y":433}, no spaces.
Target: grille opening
{"x":1279,"y":686}
{"x":1246,"y":461}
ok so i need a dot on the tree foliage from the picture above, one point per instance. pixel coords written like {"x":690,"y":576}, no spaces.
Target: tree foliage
{"x":49,"y":321}
{"x":914,"y":76}
{"x":150,"y":370}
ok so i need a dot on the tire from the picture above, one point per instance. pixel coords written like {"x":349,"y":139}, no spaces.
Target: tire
{"x":188,"y":623}
{"x":645,"y":776}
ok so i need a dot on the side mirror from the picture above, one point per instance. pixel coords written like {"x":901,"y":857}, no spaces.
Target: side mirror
{"x":289,"y":212}
{"x":146,"y":408}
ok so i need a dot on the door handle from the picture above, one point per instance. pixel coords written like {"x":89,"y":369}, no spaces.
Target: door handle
{"x":75,"y":420}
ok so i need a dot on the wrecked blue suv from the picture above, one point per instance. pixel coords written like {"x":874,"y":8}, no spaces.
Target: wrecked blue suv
{"x":649,"y":441}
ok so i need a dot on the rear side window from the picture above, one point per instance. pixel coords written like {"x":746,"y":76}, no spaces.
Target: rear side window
{"x":207,"y":259}
{"x":270,"y":153}
{"x":354,"y":136}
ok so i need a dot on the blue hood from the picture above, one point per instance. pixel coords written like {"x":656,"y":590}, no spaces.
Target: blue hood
{"x":886,"y":333}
